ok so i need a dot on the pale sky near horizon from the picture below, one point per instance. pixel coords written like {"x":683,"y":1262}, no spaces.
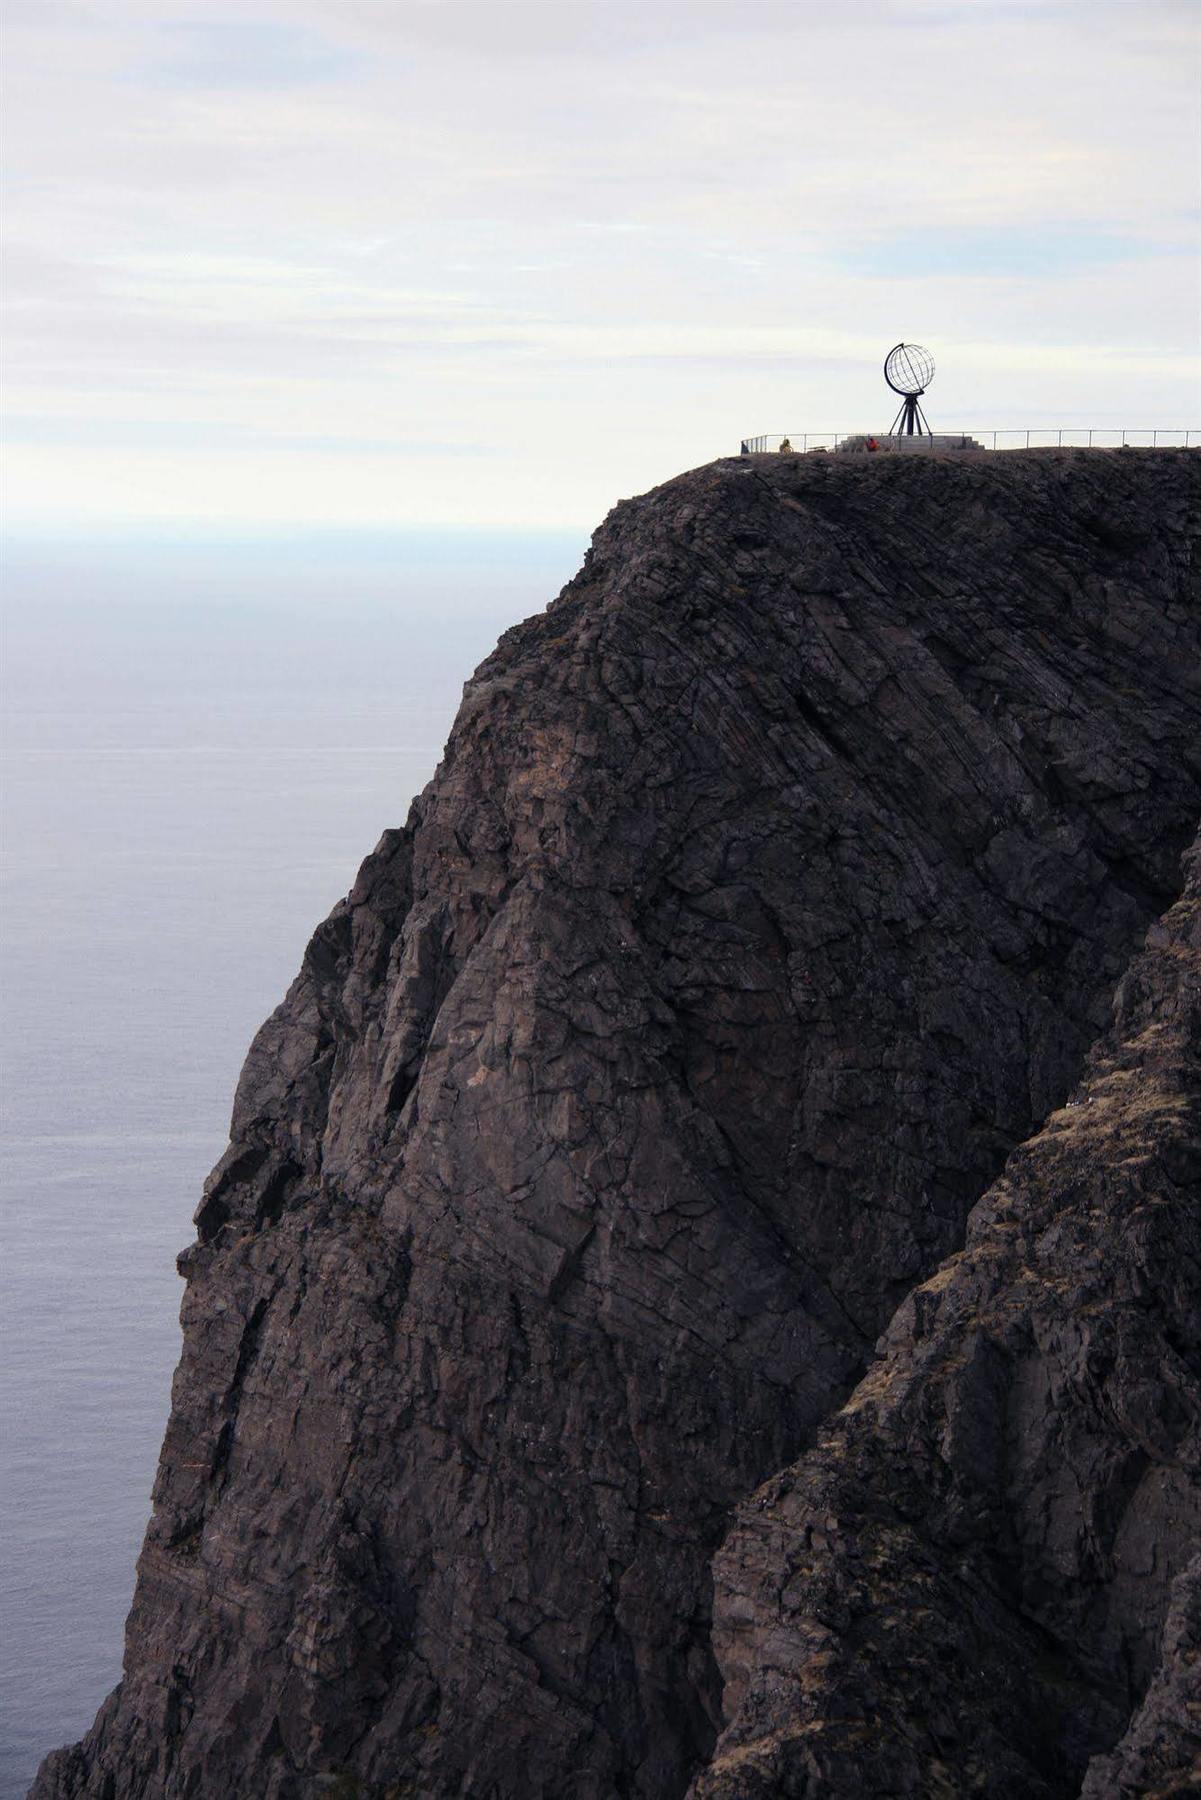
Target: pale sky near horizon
{"x":438,"y":262}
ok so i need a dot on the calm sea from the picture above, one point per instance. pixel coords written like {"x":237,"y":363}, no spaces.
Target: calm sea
{"x":202,"y":739}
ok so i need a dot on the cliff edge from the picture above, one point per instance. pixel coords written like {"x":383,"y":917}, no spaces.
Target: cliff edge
{"x":773,"y":888}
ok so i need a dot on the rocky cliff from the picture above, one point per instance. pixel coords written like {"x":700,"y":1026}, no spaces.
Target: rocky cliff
{"x":774,"y":886}
{"x":963,"y":1587}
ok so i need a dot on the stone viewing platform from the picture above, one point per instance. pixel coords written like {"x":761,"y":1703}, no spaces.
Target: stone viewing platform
{"x":909,"y":443}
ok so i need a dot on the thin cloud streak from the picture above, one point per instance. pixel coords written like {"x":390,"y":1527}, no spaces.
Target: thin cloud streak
{"x":584,"y":245}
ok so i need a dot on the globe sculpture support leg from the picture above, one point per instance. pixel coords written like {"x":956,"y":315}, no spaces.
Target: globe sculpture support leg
{"x":910,"y":420}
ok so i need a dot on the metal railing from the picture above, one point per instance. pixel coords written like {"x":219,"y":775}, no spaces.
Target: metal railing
{"x":1066,"y":437}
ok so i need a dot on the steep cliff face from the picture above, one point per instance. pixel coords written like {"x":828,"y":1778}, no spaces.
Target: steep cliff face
{"x":964,"y":1587}
{"x":774,"y":885}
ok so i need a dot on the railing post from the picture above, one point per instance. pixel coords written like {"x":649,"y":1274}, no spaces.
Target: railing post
{"x":1090,"y":440}
{"x":1155,"y":440}
{"x":1123,"y":440}
{"x":1060,"y":444}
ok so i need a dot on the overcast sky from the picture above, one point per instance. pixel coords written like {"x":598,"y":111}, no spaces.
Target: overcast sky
{"x":440,"y":261}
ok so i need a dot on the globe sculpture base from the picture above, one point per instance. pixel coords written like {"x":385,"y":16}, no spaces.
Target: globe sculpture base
{"x":892,"y":443}
{"x":910,"y":420}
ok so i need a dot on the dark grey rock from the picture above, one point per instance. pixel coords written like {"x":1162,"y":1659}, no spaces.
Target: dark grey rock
{"x":962,"y":1587}
{"x":1160,"y":1754}
{"x":772,"y":888}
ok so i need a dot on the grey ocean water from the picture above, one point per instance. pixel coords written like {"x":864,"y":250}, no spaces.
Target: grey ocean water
{"x":202,"y":739}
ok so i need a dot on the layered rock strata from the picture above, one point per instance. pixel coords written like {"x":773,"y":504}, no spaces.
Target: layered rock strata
{"x":989,"y":1560}
{"x":773,"y":886}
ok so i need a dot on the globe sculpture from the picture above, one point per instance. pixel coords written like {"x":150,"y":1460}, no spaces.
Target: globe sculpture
{"x":909,"y":370}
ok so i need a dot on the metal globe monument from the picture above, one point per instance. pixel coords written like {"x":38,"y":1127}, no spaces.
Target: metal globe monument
{"x":909,"y":370}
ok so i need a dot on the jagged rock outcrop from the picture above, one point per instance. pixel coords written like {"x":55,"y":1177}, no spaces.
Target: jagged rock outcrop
{"x":962,"y":1588}
{"x":1160,"y":1753}
{"x":773,"y":887}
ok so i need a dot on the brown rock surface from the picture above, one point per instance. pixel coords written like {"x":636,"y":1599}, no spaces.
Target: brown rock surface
{"x":962,"y":1587}
{"x":772,"y":888}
